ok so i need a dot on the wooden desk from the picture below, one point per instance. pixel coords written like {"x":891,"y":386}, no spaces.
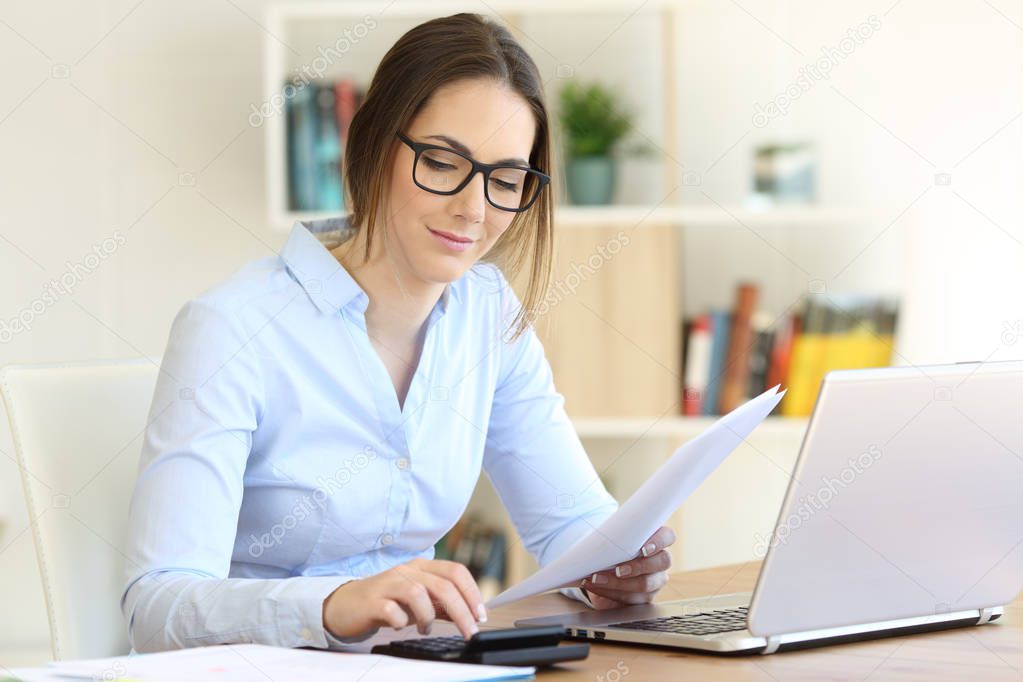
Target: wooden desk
{"x":989,"y":652}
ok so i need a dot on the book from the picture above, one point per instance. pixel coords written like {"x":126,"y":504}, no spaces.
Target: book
{"x":346,"y":94}
{"x":328,"y":151}
{"x":318,"y":115}
{"x":760,"y":352}
{"x":720,"y":325}
{"x":301,"y":113}
{"x":781,"y":350}
{"x":809,"y":353}
{"x":736,"y":370}
{"x":696,"y":365}
{"x":840,"y":331}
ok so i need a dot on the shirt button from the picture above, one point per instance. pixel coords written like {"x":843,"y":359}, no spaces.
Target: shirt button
{"x":402,"y":463}
{"x":386,"y":539}
{"x":307,"y":634}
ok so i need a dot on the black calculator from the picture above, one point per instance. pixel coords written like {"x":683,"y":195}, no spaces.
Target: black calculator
{"x":510,"y":646}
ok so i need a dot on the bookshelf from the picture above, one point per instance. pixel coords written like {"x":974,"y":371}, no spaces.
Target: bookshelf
{"x":678,"y":427}
{"x":615,"y":343}
{"x":683,"y":217}
{"x":296,"y":32}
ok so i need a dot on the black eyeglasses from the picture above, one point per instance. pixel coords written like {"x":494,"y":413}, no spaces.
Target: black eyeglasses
{"x":443,"y":170}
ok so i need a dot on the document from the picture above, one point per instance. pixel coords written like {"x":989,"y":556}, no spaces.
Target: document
{"x":621,"y":536}
{"x":245,"y":662}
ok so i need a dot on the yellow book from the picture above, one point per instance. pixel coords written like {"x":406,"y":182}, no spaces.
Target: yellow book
{"x":840,"y":333}
{"x":805,"y":372}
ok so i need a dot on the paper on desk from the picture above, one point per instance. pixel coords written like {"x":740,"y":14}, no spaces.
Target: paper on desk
{"x":245,"y":662}
{"x":622,"y":535}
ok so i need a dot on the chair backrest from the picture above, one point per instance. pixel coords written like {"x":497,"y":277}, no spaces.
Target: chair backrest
{"x":77,"y":432}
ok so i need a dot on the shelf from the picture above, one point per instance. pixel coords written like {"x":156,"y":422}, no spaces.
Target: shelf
{"x":283,"y":17}
{"x":712,"y":215}
{"x":415,"y":9}
{"x":672,"y":427}
{"x":373,"y":24}
{"x":684,"y":216}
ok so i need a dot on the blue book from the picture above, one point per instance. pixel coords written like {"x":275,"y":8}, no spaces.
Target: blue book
{"x":302,"y":148}
{"x":328,"y":151}
{"x":720,"y":331}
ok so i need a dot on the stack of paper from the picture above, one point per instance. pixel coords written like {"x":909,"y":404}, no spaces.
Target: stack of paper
{"x":246,"y":662}
{"x":622,"y":535}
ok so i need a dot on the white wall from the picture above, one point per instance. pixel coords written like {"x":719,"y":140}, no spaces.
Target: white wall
{"x":101,"y":151}
{"x":932,"y":82}
{"x":156,"y":90}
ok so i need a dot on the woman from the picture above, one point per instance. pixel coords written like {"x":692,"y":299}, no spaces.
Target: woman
{"x":322,"y":417}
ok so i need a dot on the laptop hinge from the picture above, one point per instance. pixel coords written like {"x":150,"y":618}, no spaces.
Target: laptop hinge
{"x":772,"y":645}
{"x":985,"y":616}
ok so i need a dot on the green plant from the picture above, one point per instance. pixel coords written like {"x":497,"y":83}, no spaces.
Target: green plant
{"x":591,"y":119}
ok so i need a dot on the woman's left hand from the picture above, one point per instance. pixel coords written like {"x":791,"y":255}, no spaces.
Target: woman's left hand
{"x":635,"y":581}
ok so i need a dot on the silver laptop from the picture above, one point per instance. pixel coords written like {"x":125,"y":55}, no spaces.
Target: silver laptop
{"x":904,"y":514}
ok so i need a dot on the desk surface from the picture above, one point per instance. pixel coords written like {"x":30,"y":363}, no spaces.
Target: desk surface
{"x":990,"y":652}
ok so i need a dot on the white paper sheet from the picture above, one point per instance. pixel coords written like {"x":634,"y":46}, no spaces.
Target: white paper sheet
{"x":246,"y":662}
{"x":622,"y":535}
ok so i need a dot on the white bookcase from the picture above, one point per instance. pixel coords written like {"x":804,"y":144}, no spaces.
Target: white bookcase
{"x":306,"y":27}
{"x":714,"y":245}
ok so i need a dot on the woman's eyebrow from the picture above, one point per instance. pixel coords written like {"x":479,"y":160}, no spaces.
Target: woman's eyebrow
{"x":458,"y":146}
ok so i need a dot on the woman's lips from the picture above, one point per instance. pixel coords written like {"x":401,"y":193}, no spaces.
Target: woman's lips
{"x":451,"y":241}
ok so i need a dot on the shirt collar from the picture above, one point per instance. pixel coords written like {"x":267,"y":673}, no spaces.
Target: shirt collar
{"x":329,"y":285}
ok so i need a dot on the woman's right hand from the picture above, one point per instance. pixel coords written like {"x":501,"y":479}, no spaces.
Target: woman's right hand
{"x":416,"y":593}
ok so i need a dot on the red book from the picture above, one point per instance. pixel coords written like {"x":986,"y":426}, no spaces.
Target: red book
{"x":344,"y":89}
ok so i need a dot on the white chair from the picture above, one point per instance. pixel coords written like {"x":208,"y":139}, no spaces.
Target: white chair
{"x":77,"y":432}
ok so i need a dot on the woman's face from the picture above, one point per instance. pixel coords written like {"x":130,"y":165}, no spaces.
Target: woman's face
{"x":493,"y":123}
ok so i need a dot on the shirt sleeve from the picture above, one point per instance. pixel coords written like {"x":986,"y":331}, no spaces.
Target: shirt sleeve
{"x":184,"y":511}
{"x":533,"y":455}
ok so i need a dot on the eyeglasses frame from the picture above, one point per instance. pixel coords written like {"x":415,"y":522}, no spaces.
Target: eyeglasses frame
{"x":477,"y":167}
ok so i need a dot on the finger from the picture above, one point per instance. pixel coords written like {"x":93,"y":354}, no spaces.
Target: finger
{"x":622,"y":597}
{"x":650,"y":582}
{"x":452,"y":602}
{"x":661,"y":561}
{"x":439,"y":610}
{"x":390,"y":613}
{"x":663,"y":537}
{"x":461,"y":578}
{"x":413,"y":596}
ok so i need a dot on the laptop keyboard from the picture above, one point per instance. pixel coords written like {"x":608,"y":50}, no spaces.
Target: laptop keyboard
{"x":704,"y":623}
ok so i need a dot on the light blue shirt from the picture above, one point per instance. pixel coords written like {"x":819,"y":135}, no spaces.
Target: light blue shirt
{"x":277,"y":463}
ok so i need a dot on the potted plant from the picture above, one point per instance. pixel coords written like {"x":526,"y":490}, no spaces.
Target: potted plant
{"x":592,"y":122}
